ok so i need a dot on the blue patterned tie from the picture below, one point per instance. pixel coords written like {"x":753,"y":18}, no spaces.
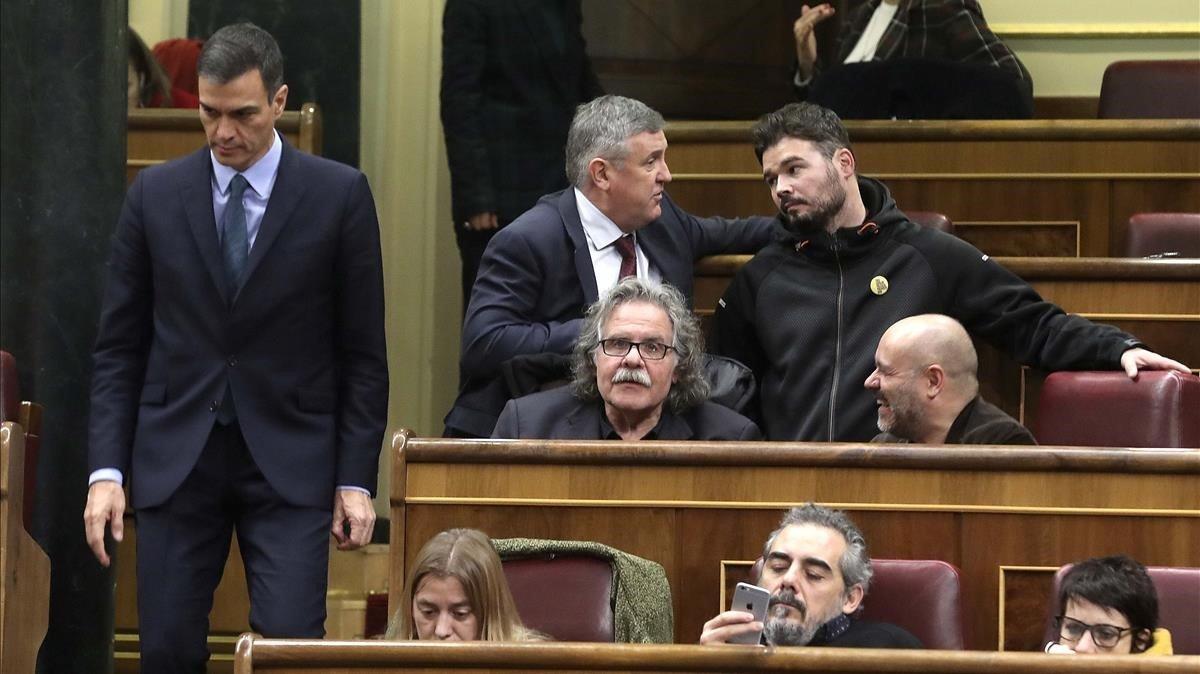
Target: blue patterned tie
{"x":233,"y":235}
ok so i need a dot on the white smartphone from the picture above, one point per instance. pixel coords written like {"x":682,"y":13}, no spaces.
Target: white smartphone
{"x":753,"y":600}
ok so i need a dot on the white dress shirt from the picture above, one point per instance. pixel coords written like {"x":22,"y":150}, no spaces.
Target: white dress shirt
{"x":602,"y":234}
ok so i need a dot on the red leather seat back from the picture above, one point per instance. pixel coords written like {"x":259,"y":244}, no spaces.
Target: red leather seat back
{"x":921,"y":595}
{"x":1108,"y":409}
{"x":10,"y":395}
{"x":1178,"y":591}
{"x":931,"y":220}
{"x":1151,"y":90}
{"x":567,"y":597}
{"x":1163,"y":234}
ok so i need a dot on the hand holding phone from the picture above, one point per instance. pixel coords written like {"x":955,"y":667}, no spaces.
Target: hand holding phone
{"x":753,"y":600}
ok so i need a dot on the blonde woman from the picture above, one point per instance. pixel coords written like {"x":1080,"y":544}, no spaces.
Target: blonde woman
{"x":457,"y":591}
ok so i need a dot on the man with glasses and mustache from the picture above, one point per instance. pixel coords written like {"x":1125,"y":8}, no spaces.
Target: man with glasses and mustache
{"x":807,"y":312}
{"x":638,"y":369}
{"x":817,"y":569}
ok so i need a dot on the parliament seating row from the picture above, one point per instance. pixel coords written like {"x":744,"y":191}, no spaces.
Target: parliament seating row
{"x":279,"y":656}
{"x":1008,"y":518}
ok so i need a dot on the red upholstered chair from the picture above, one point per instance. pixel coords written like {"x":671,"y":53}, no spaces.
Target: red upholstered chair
{"x":1178,"y":591}
{"x":1163,"y":234}
{"x":1151,"y":90}
{"x":1108,"y":409}
{"x":921,"y":595}
{"x":566,"y":597}
{"x":931,"y":220}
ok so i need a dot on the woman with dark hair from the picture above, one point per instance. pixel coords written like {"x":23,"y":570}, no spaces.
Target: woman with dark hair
{"x":148,"y":84}
{"x":457,"y":592}
{"x":1108,"y":606}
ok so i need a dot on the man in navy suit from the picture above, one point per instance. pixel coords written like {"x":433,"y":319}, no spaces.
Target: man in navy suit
{"x":240,"y":378}
{"x":540,"y":273}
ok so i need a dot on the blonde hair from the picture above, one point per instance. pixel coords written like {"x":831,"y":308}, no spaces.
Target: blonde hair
{"x":468,"y":556}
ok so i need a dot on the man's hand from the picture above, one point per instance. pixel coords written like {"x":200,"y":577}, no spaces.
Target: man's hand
{"x":353,"y":506}
{"x":105,"y":506}
{"x":806,"y":38}
{"x":728,"y":625}
{"x":1141,"y":359}
{"x":481,"y":221}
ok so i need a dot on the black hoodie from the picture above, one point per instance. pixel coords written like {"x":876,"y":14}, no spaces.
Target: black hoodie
{"x":807,"y":313}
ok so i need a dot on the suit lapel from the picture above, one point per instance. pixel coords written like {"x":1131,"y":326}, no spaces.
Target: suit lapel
{"x":284,"y":198}
{"x":569,"y":212}
{"x":656,"y":244}
{"x":894,"y":35}
{"x":197,"y":195}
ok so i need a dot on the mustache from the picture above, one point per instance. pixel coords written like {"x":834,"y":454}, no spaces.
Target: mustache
{"x":788,"y":598}
{"x":629,"y":374}
{"x":787,"y":203}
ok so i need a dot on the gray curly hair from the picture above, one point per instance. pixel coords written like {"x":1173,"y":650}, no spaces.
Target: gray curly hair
{"x":602,"y":128}
{"x":855,"y":563}
{"x":691,"y":385}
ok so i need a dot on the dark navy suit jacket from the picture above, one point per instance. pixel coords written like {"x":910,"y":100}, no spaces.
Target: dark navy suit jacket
{"x":301,"y":344}
{"x":536,"y":280}
{"x":558,"y":415}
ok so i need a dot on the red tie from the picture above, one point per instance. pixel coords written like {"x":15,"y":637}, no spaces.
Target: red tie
{"x":628,"y":256}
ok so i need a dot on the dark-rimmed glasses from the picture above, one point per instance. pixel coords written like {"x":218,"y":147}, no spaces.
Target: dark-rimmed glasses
{"x":648,"y":350}
{"x":1105,"y":636}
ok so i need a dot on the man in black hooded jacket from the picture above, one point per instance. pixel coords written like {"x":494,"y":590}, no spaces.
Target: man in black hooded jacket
{"x":806,"y":313}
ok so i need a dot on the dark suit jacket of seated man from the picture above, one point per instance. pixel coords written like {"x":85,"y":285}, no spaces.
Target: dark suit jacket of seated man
{"x":537,"y":275}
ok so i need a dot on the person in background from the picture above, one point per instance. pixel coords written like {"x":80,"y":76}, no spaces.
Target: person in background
{"x":512,"y":74}
{"x":178,"y":57}
{"x":457,"y":591}
{"x":926,"y":387}
{"x":880,"y":30}
{"x":148,"y":84}
{"x":1108,"y":606}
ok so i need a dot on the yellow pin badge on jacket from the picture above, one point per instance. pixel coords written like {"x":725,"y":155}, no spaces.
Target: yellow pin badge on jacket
{"x":879,"y":285}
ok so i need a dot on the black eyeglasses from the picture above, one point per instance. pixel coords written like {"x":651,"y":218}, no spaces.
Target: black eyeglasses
{"x":648,"y":350}
{"x":1105,"y":636}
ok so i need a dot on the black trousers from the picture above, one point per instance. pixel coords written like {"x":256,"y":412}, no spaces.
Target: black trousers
{"x":183,"y":544}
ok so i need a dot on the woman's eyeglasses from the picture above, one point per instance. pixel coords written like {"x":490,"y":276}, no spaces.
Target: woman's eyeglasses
{"x":1105,"y":636}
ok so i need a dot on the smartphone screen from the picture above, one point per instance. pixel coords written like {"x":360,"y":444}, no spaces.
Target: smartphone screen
{"x":753,"y":600}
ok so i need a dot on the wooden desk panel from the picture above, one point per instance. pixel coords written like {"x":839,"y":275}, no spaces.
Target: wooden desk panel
{"x":156,"y":135}
{"x":1096,"y":172}
{"x":255,"y":654}
{"x":689,"y":506}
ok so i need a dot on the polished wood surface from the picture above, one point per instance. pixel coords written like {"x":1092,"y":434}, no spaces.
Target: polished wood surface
{"x":25,"y":588}
{"x":255,"y":654}
{"x":156,"y":135}
{"x":693,"y":506}
{"x":1019,"y":174}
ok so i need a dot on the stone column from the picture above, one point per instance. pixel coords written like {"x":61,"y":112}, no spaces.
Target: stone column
{"x":62,"y":115}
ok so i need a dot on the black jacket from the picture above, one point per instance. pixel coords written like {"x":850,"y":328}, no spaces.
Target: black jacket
{"x":979,"y":423}
{"x":802,"y":314}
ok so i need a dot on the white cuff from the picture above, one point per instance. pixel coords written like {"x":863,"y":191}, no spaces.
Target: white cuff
{"x":346,"y":487}
{"x":111,"y":474}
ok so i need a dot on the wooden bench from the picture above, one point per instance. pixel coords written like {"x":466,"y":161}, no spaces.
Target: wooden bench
{"x":156,"y":135}
{"x":1156,"y":300}
{"x":1007,"y":517}
{"x":279,"y":656}
{"x":25,"y":589}
{"x":1012,"y":187}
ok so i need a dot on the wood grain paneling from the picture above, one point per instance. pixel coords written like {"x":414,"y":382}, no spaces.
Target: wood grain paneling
{"x":692,"y":506}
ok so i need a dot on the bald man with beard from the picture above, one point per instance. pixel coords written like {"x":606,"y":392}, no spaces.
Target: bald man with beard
{"x":927,"y":391}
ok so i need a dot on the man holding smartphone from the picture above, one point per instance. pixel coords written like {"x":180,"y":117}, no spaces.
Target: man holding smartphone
{"x":816,"y":567}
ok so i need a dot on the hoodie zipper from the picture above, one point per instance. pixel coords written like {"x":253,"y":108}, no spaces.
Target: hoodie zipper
{"x":837,"y":352}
